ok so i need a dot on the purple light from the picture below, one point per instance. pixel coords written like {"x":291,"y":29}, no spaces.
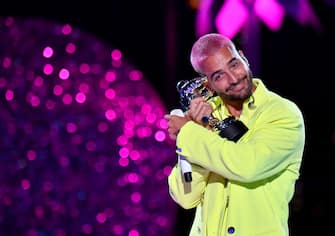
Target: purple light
{"x":135,"y":75}
{"x":3,"y":82}
{"x":91,"y":146}
{"x":50,"y":105}
{"x":143,"y":132}
{"x":123,"y":161}
{"x":163,"y":124}
{"x":117,"y":229}
{"x":306,"y":15}
{"x":86,"y":229}
{"x":136,"y":197}
{"x":38,"y":82}
{"x":129,"y":125}
{"x":25,"y":184}
{"x":9,"y":95}
{"x":110,"y":115}
{"x":48,"y":52}
{"x":116,"y":55}
{"x":110,"y":93}
{"x":134,"y":155}
{"x":31,"y":155}
{"x":234,"y":14}
{"x":67,"y":29}
{"x":48,"y":69}
{"x":151,"y":118}
{"x":124,"y":152}
{"x":231,"y":17}
{"x":34,"y":100}
{"x":110,"y":76}
{"x":133,"y":178}
{"x":81,"y":132}
{"x":84,"y":68}
{"x":146,"y":108}
{"x":70,"y":48}
{"x":39,"y":212}
{"x":80,"y":97}
{"x":64,"y":74}
{"x":271,"y":13}
{"x":160,"y":136}
{"x":122,"y":140}
{"x":102,"y":127}
{"x":67,"y":99}
{"x":7,"y":62}
{"x":167,"y":170}
{"x":84,"y":88}
{"x":134,"y":232}
{"x":162,"y":221}
{"x":71,"y":127}
{"x":101,"y":218}
{"x":58,"y":90}
{"x":203,"y":17}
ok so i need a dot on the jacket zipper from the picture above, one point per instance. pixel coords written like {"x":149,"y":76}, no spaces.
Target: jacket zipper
{"x":225,"y":211}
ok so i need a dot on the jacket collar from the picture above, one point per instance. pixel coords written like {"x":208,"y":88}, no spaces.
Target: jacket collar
{"x":250,"y":105}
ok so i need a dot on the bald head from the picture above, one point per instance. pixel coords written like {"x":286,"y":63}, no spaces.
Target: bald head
{"x":208,"y":45}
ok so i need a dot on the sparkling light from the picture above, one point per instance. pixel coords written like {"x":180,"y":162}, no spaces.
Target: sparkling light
{"x":83,"y":147}
{"x":271,"y":13}
{"x":64,"y":74}
{"x":231,"y":17}
{"x":48,"y":69}
{"x":234,"y":14}
{"x":48,"y":52}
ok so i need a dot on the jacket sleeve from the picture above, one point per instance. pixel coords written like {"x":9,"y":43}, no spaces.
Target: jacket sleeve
{"x":275,"y":141}
{"x":187,"y":195}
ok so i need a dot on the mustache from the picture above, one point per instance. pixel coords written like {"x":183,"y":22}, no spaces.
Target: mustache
{"x":237,"y":83}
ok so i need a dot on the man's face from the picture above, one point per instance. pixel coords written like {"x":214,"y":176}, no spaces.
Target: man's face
{"x":228,"y":74}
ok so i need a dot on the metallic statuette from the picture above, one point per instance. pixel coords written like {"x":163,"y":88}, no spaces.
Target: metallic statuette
{"x":229,"y":128}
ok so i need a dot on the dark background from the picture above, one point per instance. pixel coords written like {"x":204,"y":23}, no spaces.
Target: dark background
{"x":296,"y":61}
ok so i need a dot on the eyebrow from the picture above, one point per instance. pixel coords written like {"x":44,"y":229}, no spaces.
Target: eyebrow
{"x":218,"y":71}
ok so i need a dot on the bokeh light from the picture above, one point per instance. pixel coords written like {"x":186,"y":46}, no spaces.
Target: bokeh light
{"x":83,"y":145}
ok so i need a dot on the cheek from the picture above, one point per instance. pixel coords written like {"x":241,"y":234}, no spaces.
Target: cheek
{"x":219,"y":85}
{"x":243,"y":72}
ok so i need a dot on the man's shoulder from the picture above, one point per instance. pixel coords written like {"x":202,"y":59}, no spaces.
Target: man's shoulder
{"x":283,"y":106}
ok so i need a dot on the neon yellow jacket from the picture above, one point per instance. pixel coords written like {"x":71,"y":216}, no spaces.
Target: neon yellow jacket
{"x":243,"y":188}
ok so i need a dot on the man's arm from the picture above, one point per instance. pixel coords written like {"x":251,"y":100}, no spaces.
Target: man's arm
{"x":275,"y":142}
{"x":188,"y":195}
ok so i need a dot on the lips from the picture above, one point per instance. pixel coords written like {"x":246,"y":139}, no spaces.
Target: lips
{"x":239,"y":86}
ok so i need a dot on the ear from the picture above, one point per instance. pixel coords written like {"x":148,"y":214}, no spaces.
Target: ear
{"x":243,"y":57}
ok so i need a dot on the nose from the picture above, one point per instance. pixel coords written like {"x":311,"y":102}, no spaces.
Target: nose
{"x":233,"y":78}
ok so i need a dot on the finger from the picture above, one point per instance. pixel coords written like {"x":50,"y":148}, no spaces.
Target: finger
{"x":203,"y":111}
{"x":194,"y":102}
{"x":197,"y":100}
{"x":172,"y":136}
{"x":195,"y":109}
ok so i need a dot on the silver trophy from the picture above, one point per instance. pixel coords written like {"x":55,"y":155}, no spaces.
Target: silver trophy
{"x":229,"y":128}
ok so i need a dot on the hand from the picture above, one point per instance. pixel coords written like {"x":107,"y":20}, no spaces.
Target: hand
{"x":175,"y":123}
{"x":199,"y":108}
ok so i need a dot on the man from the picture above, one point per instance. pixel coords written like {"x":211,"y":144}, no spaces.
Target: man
{"x":242,"y":187}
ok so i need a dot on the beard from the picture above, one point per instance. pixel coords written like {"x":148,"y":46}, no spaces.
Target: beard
{"x":246,"y":93}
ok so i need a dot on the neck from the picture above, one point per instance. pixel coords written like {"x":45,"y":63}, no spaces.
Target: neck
{"x":234,"y":108}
